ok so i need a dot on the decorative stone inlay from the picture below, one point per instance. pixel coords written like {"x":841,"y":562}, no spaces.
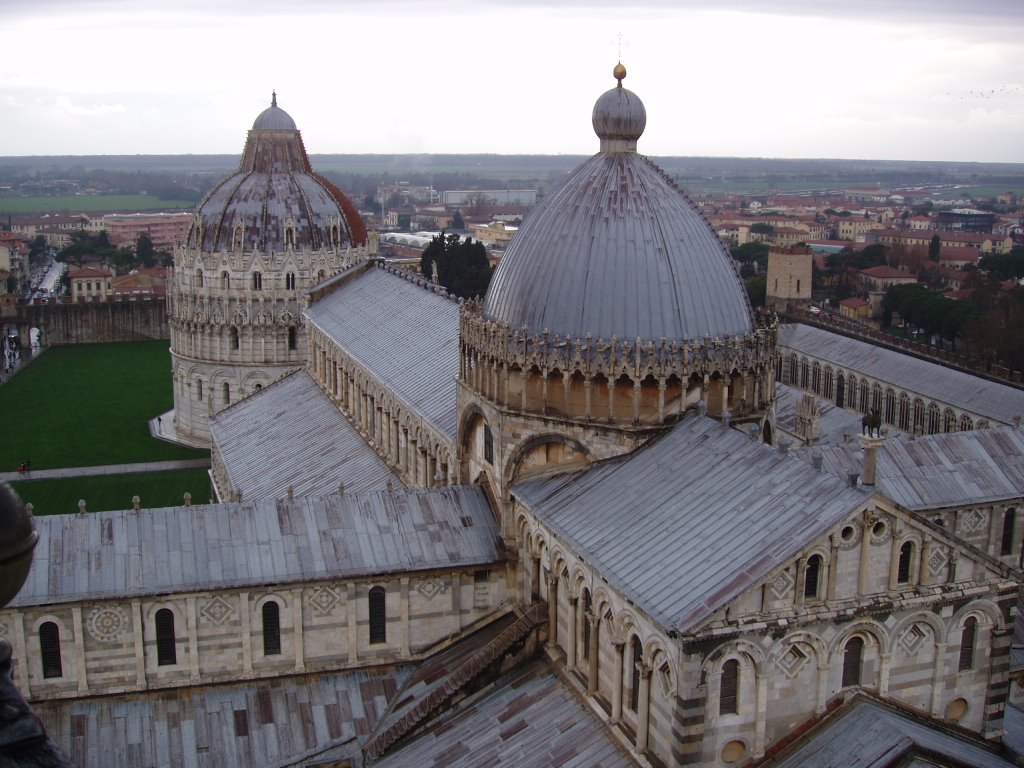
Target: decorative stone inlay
{"x":323,"y":600}
{"x":937,"y":561}
{"x":218,"y":610}
{"x":791,"y":661}
{"x":912,"y":639}
{"x":782,"y":585}
{"x":973,"y":520}
{"x":106,"y":623}
{"x":429,"y":588}
{"x":3,"y":630}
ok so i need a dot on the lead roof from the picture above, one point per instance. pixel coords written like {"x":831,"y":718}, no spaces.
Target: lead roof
{"x":223,"y":546}
{"x":618,"y":250}
{"x":668,"y":515}
{"x":945,"y":386}
{"x":314,"y":447}
{"x":404,"y":334}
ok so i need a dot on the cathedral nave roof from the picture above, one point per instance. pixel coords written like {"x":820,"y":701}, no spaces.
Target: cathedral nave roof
{"x":406,"y":335}
{"x":220,"y":546}
{"x":668,"y":515}
{"x":936,"y":382}
{"x":290,"y":435}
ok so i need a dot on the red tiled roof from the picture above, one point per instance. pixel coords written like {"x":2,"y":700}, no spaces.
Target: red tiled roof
{"x":884,"y":271}
{"x":854,"y":303}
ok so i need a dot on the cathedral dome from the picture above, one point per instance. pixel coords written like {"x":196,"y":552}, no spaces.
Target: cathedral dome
{"x":275,"y":202}
{"x":618,"y":250}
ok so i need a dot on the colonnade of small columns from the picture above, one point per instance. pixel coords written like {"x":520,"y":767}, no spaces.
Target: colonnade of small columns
{"x":422,"y":455}
{"x":620,"y":382}
{"x":904,"y":409}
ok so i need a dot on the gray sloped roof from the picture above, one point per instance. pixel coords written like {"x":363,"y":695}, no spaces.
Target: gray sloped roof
{"x":943,"y":470}
{"x":868,"y":734}
{"x":529,"y":719}
{"x":835,"y":422}
{"x":290,"y":434}
{"x":219,"y":546}
{"x":258,"y":723}
{"x":618,"y":250}
{"x":405,"y":335}
{"x":945,"y":386}
{"x":668,"y":515}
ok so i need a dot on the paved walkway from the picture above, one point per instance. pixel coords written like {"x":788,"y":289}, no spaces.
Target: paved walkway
{"x":106,"y":469}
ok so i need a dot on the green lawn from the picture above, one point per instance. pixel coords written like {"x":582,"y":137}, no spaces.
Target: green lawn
{"x":154,"y":489}
{"x":88,"y":404}
{"x":84,"y":203}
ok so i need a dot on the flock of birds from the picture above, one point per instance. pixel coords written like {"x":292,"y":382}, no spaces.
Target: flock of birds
{"x":1003,"y":90}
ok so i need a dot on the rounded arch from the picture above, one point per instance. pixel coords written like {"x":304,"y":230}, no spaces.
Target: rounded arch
{"x":277,"y":597}
{"x":518,"y":453}
{"x":51,"y":618}
{"x":986,"y":612}
{"x":870,"y":631}
{"x":921,"y":617}
{"x":745,"y":652}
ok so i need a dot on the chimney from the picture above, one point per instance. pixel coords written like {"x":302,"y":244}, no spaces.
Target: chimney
{"x":852,"y":477}
{"x":726,"y":419}
{"x":188,"y":499}
{"x":753,"y":430}
{"x":870,"y":445}
{"x":817,"y":459}
{"x":784,"y":445}
{"x":136,"y":503}
{"x":81,"y":506}
{"x":702,"y":408}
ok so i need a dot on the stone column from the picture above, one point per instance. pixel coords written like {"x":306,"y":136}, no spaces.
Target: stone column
{"x":636,"y":402}
{"x":801,"y":575}
{"x":192,"y":625}
{"x":661,"y":400}
{"x":552,"y":610}
{"x":300,"y":643}
{"x":937,"y":680}
{"x":611,"y":399}
{"x":761,"y":681}
{"x":620,"y":649}
{"x":351,"y":614}
{"x":79,"y":640}
{"x":570,"y":646}
{"x":138,"y":625}
{"x":246,"y":625}
{"x":863,"y":571}
{"x":592,"y":656}
{"x":587,"y":387}
{"x":643,"y":709}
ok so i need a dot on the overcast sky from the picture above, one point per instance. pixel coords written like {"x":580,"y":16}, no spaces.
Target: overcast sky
{"x":892,"y":79}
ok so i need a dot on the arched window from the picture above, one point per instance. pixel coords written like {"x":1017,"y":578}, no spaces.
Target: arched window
{"x":904,"y":420}
{"x":166,"y":645}
{"x":378,"y":618}
{"x":851,"y":392}
{"x":803,"y":373}
{"x":852,"y":657}
{"x":967,"y":638}
{"x":890,"y":407}
{"x":634,"y":674}
{"x":257,"y":281}
{"x":1009,"y":518}
{"x":903,"y":569}
{"x":865,"y":393}
{"x":949,"y":420}
{"x":289,"y":281}
{"x":234,"y":337}
{"x":793,"y":367}
{"x":488,"y":445}
{"x":728,"y":688}
{"x":271,"y":628}
{"x":966,"y":423}
{"x":227,"y":393}
{"x":49,"y":648}
{"x":816,"y":377}
{"x":199,"y":390}
{"x":812,"y":576}
{"x":225,"y":280}
{"x":876,"y":397}
{"x":320,"y":275}
{"x":934,"y":419}
{"x":829,"y":384}
{"x":199,"y":278}
{"x":292,"y":337}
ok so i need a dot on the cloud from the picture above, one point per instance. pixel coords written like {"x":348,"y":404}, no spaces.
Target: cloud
{"x":68,"y":107}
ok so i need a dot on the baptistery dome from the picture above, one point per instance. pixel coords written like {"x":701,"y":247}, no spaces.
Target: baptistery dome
{"x":275,"y":202}
{"x":618,"y":250}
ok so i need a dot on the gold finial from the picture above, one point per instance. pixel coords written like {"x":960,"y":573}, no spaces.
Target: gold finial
{"x":619,"y":73}
{"x":273,"y":98}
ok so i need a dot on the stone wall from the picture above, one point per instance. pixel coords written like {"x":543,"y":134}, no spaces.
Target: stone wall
{"x":110,"y":646}
{"x":97,"y":322}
